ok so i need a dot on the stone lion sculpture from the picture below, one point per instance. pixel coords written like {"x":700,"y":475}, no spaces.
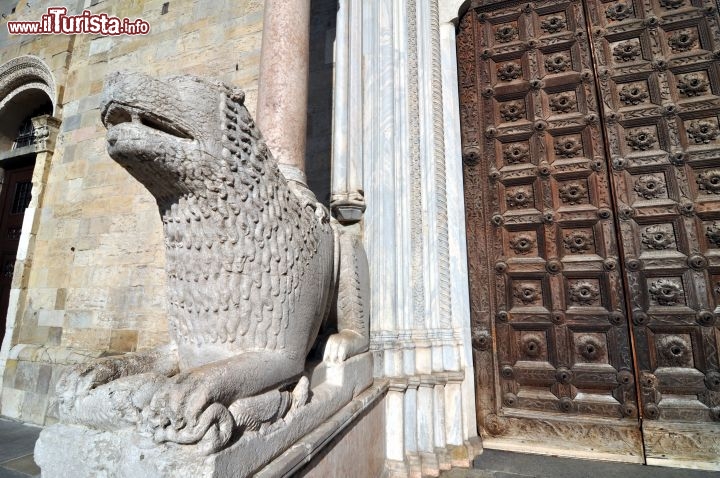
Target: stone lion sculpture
{"x":254,"y":266}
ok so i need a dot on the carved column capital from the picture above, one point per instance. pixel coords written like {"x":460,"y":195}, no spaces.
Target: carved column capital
{"x":46,"y":129}
{"x":348,"y":207}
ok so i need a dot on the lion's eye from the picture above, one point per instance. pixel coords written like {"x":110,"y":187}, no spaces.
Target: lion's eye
{"x":154,"y":123}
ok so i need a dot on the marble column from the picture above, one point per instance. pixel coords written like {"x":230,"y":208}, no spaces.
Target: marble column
{"x":283,"y":85}
{"x":348,"y":196}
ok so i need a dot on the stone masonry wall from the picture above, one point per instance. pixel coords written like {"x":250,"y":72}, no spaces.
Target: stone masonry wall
{"x":96,"y":282}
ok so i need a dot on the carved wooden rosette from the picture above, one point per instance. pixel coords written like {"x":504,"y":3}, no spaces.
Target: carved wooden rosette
{"x":663,"y":138}
{"x":548,"y":296}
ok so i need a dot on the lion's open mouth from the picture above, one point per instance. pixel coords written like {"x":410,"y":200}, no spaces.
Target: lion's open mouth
{"x":116,"y":113}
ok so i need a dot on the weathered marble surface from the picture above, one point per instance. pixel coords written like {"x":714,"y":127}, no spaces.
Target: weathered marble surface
{"x":254,"y":268}
{"x":128,"y":453}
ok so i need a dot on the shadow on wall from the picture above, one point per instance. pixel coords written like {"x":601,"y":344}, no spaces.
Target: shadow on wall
{"x":320,"y":98}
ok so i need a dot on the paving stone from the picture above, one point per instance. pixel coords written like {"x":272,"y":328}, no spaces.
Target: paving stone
{"x":8,"y":473}
{"x":17,"y":439}
{"x":25,"y":464}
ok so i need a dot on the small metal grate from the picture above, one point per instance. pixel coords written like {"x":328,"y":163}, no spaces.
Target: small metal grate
{"x":26,"y":134}
{"x":8,"y":268}
{"x":14,"y":233}
{"x":21,"y":199}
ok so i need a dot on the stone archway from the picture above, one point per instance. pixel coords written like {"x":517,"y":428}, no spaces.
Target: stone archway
{"x":26,"y":86}
{"x":23,"y":73}
{"x":28,"y":101}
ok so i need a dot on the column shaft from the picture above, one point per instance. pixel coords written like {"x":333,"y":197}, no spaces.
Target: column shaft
{"x":283,"y":88}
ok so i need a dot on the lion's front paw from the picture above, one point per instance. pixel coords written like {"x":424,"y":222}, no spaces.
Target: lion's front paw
{"x":185,"y":411}
{"x":178,"y":404}
{"x":343,"y":345}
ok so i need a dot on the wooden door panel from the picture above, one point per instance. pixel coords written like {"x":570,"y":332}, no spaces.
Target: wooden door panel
{"x":546,"y":287}
{"x":15,"y":195}
{"x":657,"y":67}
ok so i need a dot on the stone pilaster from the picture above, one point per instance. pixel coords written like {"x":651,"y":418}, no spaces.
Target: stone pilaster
{"x":46,"y":131}
{"x":414,"y":233}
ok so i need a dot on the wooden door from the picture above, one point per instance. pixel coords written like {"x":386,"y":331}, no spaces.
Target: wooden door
{"x":580,"y":160}
{"x":658,"y":70}
{"x":14,"y":198}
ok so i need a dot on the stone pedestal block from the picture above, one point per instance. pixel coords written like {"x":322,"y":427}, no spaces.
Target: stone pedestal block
{"x":69,"y":450}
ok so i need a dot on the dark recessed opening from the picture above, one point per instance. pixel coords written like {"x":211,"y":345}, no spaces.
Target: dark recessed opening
{"x":165,"y":8}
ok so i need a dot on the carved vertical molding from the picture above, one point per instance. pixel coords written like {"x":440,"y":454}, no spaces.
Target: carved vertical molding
{"x":416,"y":186}
{"x":438,"y":160}
{"x":382,"y":179}
{"x":340,"y":124}
{"x":347,"y":200}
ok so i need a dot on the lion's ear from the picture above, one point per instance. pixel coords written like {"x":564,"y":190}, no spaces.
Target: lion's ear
{"x":237,"y":95}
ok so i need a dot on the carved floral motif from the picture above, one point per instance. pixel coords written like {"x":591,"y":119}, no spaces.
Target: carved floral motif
{"x":709,"y":181}
{"x":633,"y":94}
{"x":526,"y":292}
{"x":641,"y":140}
{"x":553,"y":24}
{"x":509,"y":71}
{"x":682,"y":40}
{"x":522,"y":244}
{"x":666,"y":292}
{"x":619,"y":11}
{"x":506,"y":33}
{"x":672,"y":4}
{"x":703,"y":131}
{"x":562,"y":102}
{"x":590,"y":347}
{"x":712,"y":232}
{"x":583,"y":293}
{"x":626,"y":51}
{"x":512,"y":111}
{"x":531,"y":345}
{"x":518,"y":198}
{"x":471,"y":158}
{"x":649,"y":186}
{"x":578,"y":242}
{"x":558,"y":63}
{"x":573,"y":193}
{"x":692,"y":84}
{"x":657,"y":237}
{"x":568,"y":147}
{"x":675,"y":349}
{"x":516,"y":153}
